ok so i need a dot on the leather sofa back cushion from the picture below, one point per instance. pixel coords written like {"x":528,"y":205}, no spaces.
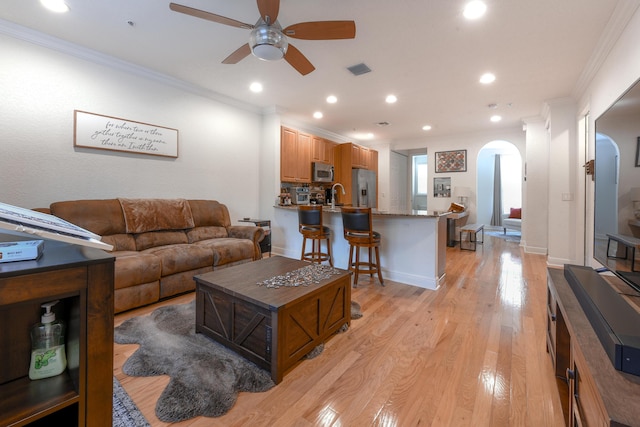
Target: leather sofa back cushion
{"x":120,"y":242}
{"x":159,"y":238}
{"x":143,"y":215}
{"x":103,"y":217}
{"x":209,"y":213}
{"x":203,"y":233}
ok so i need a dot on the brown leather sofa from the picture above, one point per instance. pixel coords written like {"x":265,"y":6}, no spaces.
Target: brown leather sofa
{"x":160,"y":244}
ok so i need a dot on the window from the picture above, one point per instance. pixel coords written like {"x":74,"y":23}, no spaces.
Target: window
{"x":420,"y":182}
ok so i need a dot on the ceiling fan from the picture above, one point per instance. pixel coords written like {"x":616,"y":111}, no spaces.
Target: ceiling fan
{"x":268,"y":41}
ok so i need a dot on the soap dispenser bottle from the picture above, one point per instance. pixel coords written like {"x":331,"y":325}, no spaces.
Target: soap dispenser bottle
{"x":48,"y":357}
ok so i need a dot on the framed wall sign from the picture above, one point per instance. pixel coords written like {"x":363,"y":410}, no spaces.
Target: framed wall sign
{"x":451,"y":161}
{"x":116,"y":134}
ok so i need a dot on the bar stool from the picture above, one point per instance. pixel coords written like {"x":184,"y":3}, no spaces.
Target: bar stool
{"x":357,"y":225}
{"x":310,"y":226}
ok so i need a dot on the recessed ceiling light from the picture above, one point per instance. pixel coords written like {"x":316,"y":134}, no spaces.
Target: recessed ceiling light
{"x":317,"y":115}
{"x":255,"y":87}
{"x":363,"y":135}
{"x":496,"y":119}
{"x":331,"y":99}
{"x":426,"y":127}
{"x":390,"y":99}
{"x":58,"y":6}
{"x":487,"y":78}
{"x":474,"y":9}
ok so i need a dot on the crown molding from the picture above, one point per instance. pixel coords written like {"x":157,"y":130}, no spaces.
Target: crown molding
{"x":40,"y":39}
{"x":620,"y":17}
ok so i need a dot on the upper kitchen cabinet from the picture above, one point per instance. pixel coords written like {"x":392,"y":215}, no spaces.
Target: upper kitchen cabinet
{"x":295,"y":156}
{"x":322,"y":150}
{"x":356,"y":156}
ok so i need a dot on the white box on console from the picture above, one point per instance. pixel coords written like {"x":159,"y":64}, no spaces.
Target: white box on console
{"x":20,"y":251}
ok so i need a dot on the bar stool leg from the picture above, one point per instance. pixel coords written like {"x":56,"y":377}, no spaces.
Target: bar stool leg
{"x":304,"y":244}
{"x":357,"y":267}
{"x":329,"y":252}
{"x":378,"y":266}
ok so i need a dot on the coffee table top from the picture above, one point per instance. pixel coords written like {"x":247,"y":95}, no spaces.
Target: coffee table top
{"x":242,"y":281}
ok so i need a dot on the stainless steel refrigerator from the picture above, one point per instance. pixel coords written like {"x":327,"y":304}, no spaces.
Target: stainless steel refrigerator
{"x":363,"y":183}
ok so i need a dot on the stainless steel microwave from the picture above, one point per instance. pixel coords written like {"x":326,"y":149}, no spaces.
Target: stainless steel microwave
{"x":322,"y":172}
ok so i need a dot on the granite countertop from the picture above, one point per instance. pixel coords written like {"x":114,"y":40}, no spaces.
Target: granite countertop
{"x":375,"y":212}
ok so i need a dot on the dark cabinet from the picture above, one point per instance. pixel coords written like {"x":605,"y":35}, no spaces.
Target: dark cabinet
{"x":592,"y":391}
{"x":82,"y":280}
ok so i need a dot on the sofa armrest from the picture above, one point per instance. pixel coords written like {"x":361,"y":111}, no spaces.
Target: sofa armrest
{"x":253,"y":233}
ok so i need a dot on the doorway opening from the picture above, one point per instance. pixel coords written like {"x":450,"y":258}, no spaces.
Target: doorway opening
{"x":607,"y":165}
{"x":499,"y":182}
{"x":419,"y":181}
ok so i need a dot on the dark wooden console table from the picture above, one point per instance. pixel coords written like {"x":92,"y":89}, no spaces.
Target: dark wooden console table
{"x":592,"y":391}
{"x":82,"y":280}
{"x":274,"y":328}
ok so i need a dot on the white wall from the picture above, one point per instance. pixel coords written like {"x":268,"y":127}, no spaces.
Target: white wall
{"x":536,"y":188}
{"x":219,"y":144}
{"x":563,"y":209}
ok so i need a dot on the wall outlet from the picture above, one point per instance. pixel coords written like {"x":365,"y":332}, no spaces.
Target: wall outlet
{"x":567,"y":197}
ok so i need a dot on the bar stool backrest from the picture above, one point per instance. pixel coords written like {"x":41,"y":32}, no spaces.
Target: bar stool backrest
{"x":356,"y":221}
{"x":309,"y":216}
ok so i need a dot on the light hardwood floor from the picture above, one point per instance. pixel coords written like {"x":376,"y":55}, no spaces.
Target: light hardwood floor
{"x":469,"y":354}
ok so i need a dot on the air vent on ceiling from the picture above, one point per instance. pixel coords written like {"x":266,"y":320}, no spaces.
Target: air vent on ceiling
{"x":359,"y":69}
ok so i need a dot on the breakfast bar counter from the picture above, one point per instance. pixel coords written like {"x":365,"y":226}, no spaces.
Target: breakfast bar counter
{"x":412,"y":250}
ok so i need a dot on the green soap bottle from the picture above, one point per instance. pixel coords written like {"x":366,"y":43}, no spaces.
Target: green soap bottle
{"x":48,"y":356}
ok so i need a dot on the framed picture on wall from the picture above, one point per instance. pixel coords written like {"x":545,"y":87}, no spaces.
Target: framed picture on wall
{"x":451,"y":161}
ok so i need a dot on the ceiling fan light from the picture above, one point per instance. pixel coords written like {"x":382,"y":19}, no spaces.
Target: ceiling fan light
{"x":268,"y":43}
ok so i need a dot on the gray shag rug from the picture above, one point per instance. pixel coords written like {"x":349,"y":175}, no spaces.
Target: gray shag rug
{"x":206,"y":377}
{"x":125,"y":412}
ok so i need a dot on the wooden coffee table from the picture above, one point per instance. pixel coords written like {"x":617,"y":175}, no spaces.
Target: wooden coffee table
{"x":274,"y":328}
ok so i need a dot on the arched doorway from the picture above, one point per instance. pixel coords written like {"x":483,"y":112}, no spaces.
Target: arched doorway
{"x":607,"y":165}
{"x":509,"y":189}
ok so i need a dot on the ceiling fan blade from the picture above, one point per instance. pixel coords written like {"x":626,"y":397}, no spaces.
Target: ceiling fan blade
{"x":238,"y":55}
{"x":208,"y":16}
{"x":270,"y":9}
{"x":298,"y":61}
{"x":322,"y":30}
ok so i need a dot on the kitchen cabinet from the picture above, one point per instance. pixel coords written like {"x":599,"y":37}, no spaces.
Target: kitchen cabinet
{"x":82,"y":280}
{"x":295,"y":156}
{"x":322,"y":150}
{"x":592,"y":391}
{"x":349,"y":156}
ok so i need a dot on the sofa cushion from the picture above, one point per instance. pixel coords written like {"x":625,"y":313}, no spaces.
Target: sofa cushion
{"x":209,"y":213}
{"x":180,"y":282}
{"x":159,"y":238}
{"x":136,"y":296}
{"x":133,"y":268}
{"x":142,"y":215}
{"x":515,"y":213}
{"x":226,"y":250}
{"x":203,"y":233}
{"x":103,"y":217}
{"x":179,"y":258}
{"x":120,"y":242}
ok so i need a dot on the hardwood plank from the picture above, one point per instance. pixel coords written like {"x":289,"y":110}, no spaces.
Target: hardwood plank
{"x":471,"y":353}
